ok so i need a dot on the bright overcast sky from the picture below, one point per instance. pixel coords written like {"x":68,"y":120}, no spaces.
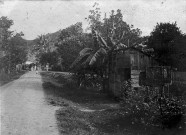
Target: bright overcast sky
{"x":41,"y":17}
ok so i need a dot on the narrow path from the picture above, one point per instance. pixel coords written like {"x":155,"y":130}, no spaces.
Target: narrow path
{"x":23,"y":108}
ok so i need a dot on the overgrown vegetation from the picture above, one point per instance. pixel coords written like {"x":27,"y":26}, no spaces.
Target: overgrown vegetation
{"x":6,"y":78}
{"x":114,"y":34}
{"x":13,"y":47}
{"x":71,"y":41}
{"x":89,"y":56}
{"x":168,"y":43}
{"x":150,"y":108}
{"x":89,"y":111}
{"x":109,"y":35}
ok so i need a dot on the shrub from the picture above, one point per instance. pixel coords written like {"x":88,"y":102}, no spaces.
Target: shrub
{"x":88,"y":80}
{"x":149,"y":108}
{"x":172,"y":112}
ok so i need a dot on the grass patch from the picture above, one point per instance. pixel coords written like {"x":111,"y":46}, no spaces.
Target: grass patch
{"x":108,"y":122}
{"x":71,"y":121}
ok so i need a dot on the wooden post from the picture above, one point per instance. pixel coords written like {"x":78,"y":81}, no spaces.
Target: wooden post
{"x":160,"y":102}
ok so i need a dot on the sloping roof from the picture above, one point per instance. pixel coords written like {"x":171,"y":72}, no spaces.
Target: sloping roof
{"x":144,"y":51}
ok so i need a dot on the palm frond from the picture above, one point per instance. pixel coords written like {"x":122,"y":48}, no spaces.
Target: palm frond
{"x":86,"y":63}
{"x":110,"y":42}
{"x":103,"y":42}
{"x":79,"y":60}
{"x":98,"y":55}
{"x":95,"y":38}
{"x":120,"y":46}
{"x":85,"y":50}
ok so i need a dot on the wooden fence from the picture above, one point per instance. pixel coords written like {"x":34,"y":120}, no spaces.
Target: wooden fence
{"x":179,"y":77}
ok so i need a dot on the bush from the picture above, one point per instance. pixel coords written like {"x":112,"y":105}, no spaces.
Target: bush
{"x":88,"y":80}
{"x":4,"y":77}
{"x":172,"y":112}
{"x":147,"y":107}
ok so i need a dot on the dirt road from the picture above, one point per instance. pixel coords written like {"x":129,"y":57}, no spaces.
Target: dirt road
{"x":23,"y":108}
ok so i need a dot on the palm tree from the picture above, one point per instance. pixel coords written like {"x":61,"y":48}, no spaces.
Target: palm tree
{"x":99,"y":59}
{"x":96,"y":59}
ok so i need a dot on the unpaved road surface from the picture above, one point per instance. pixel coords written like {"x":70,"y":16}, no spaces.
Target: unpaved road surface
{"x":23,"y":108}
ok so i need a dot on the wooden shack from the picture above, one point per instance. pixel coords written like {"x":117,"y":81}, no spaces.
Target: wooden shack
{"x":140,"y":60}
{"x":122,"y":65}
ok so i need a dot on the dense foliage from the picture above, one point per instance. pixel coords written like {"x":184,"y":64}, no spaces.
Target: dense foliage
{"x":71,"y":41}
{"x":112,"y":34}
{"x":109,"y":35}
{"x":12,"y":45}
{"x":168,"y":43}
{"x":61,"y":48}
{"x":148,"y":107}
{"x":53,"y":59}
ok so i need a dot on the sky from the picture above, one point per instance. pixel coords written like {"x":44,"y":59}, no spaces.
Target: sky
{"x":34,"y":18}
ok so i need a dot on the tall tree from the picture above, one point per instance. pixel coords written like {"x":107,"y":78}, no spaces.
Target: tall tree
{"x":5,"y":33}
{"x":18,"y":49}
{"x":113,"y":27}
{"x":167,"y":41}
{"x":71,"y":41}
{"x":109,"y":35}
{"x":13,"y":46}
